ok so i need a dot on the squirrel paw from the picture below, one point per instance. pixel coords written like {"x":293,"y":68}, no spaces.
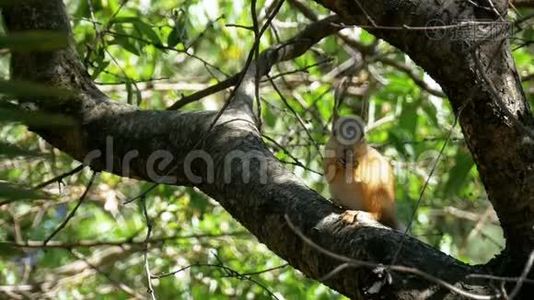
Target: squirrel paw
{"x":350,"y":217}
{"x":359,"y":218}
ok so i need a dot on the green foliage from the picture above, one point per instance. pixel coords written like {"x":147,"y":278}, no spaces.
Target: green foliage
{"x":151,"y":53}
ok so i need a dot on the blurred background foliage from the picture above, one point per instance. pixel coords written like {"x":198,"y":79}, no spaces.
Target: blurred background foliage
{"x":151,"y":54}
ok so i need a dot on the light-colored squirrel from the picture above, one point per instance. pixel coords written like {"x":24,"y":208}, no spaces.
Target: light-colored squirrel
{"x":359,"y":177}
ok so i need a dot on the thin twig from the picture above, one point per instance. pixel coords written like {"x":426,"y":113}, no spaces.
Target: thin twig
{"x":123,"y":242}
{"x":296,"y":115}
{"x":229,"y":273}
{"x":220,"y":86}
{"x":59,"y":178}
{"x":73,"y":211}
{"x":296,"y":162}
{"x":257,"y":75}
{"x":150,"y":289}
{"x":142,"y":195}
{"x":526,"y":271}
{"x":128,"y":290}
{"x":500,"y":278}
{"x":367,"y":15}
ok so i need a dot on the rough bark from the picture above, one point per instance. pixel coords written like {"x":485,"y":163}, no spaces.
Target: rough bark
{"x":501,"y":148}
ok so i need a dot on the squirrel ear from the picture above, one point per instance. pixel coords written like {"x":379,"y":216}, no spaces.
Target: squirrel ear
{"x":340,"y":89}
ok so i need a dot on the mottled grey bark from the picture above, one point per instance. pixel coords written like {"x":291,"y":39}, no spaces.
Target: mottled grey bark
{"x":503,"y":157}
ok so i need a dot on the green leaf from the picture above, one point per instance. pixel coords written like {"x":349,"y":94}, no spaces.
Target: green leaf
{"x":174,"y":38}
{"x":269,"y":117}
{"x":397,"y":138}
{"x":127,"y":45}
{"x":147,"y":31}
{"x":408,"y":117}
{"x":144,"y":29}
{"x":100,"y":67}
{"x":123,"y":40}
{"x":99,"y":62}
{"x":459,"y":172}
{"x":432,"y":113}
{"x":179,"y":31}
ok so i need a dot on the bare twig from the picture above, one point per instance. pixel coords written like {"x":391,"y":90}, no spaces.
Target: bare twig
{"x":295,"y":114}
{"x":124,"y":242}
{"x":257,"y":75}
{"x":500,"y":278}
{"x":526,"y":271}
{"x":369,"y":18}
{"x":229,"y":273}
{"x":128,"y":290}
{"x":73,"y":211}
{"x":59,"y":178}
{"x":150,"y":289}
{"x":295,"y":162}
{"x":143,"y":194}
{"x":227,"y":83}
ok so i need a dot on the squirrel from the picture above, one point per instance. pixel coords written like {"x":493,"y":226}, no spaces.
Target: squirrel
{"x":359,"y":177}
